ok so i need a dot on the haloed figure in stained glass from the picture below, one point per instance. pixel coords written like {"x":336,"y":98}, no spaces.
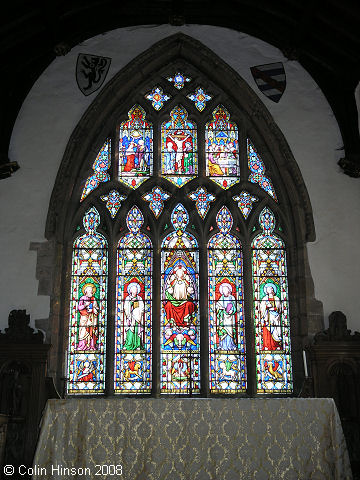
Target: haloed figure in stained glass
{"x":225,"y":311}
{"x":134,"y":314}
{"x":89,"y":310}
{"x":270,"y":309}
{"x":179,"y":306}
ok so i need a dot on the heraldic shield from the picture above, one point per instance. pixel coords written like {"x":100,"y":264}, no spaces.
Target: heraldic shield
{"x":270,"y":79}
{"x":91,"y":71}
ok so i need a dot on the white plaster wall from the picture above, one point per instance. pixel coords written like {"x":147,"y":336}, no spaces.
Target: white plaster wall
{"x":55,"y":105}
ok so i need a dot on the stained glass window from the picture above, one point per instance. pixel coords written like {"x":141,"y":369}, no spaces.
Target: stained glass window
{"x":179,"y":148}
{"x":202,"y":199}
{"x":257,"y":168}
{"x":222,"y":149}
{"x":156,"y":199}
{"x":179,"y":80}
{"x":157,"y":97}
{"x":88,"y":310}
{"x":135,"y":148}
{"x":171,"y":260}
{"x":200,"y":97}
{"x":133,"y":318}
{"x":227,"y":369}
{"x":179,"y":327}
{"x":101,"y":165}
{"x":245,"y":202}
{"x":271,"y":309}
{"x":113,"y":202}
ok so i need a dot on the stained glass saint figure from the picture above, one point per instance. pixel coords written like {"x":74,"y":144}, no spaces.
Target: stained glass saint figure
{"x":222,"y":149}
{"x":135,"y":148}
{"x":179,"y":330}
{"x":134,"y":300}
{"x":87,"y":328}
{"x":257,"y":169}
{"x":271,"y":311}
{"x":101,"y":165}
{"x":178,"y":148}
{"x":226,"y":309}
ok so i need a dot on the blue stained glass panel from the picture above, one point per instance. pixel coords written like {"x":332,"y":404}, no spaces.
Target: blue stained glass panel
{"x":101,"y":165}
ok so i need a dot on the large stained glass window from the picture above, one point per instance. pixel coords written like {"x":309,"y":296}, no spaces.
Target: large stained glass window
{"x":135,"y":148}
{"x":133,"y":314}
{"x":169,"y":261}
{"x":227,"y":369}
{"x":271,"y":309}
{"x":88,"y":310}
{"x":179,"y":148}
{"x":222,"y":149}
{"x":179,"y":327}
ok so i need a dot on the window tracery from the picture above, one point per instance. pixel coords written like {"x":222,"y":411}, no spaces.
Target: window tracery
{"x":173,"y":201}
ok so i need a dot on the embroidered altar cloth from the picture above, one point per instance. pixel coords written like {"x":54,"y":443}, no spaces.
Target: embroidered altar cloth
{"x":192,"y":439}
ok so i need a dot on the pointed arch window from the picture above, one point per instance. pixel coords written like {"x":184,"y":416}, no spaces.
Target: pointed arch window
{"x":179,"y":275}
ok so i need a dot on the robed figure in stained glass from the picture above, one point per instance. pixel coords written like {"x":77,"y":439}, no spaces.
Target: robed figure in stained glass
{"x":270,"y":309}
{"x":178,"y":147}
{"x":135,"y":148}
{"x":179,"y":306}
{"x":89,"y":309}
{"x":134,"y":313}
{"x":225,"y":310}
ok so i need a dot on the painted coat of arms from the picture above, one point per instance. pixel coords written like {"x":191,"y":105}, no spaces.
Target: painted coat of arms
{"x":91,"y":71}
{"x":270,"y":79}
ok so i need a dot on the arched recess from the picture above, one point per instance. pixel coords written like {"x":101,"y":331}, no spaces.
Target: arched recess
{"x":293,"y":210}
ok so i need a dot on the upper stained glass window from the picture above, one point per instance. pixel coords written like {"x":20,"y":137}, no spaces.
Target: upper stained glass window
{"x":157,"y":97}
{"x":179,"y":148}
{"x":222,"y":149}
{"x":200,"y":97}
{"x":135,"y":148}
{"x":179,"y":80}
{"x":257,"y":168}
{"x":101,"y":165}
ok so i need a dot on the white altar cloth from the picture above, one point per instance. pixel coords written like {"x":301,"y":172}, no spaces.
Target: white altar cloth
{"x":191,"y":439}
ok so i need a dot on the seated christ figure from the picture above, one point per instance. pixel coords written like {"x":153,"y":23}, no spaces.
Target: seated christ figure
{"x":179,"y":306}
